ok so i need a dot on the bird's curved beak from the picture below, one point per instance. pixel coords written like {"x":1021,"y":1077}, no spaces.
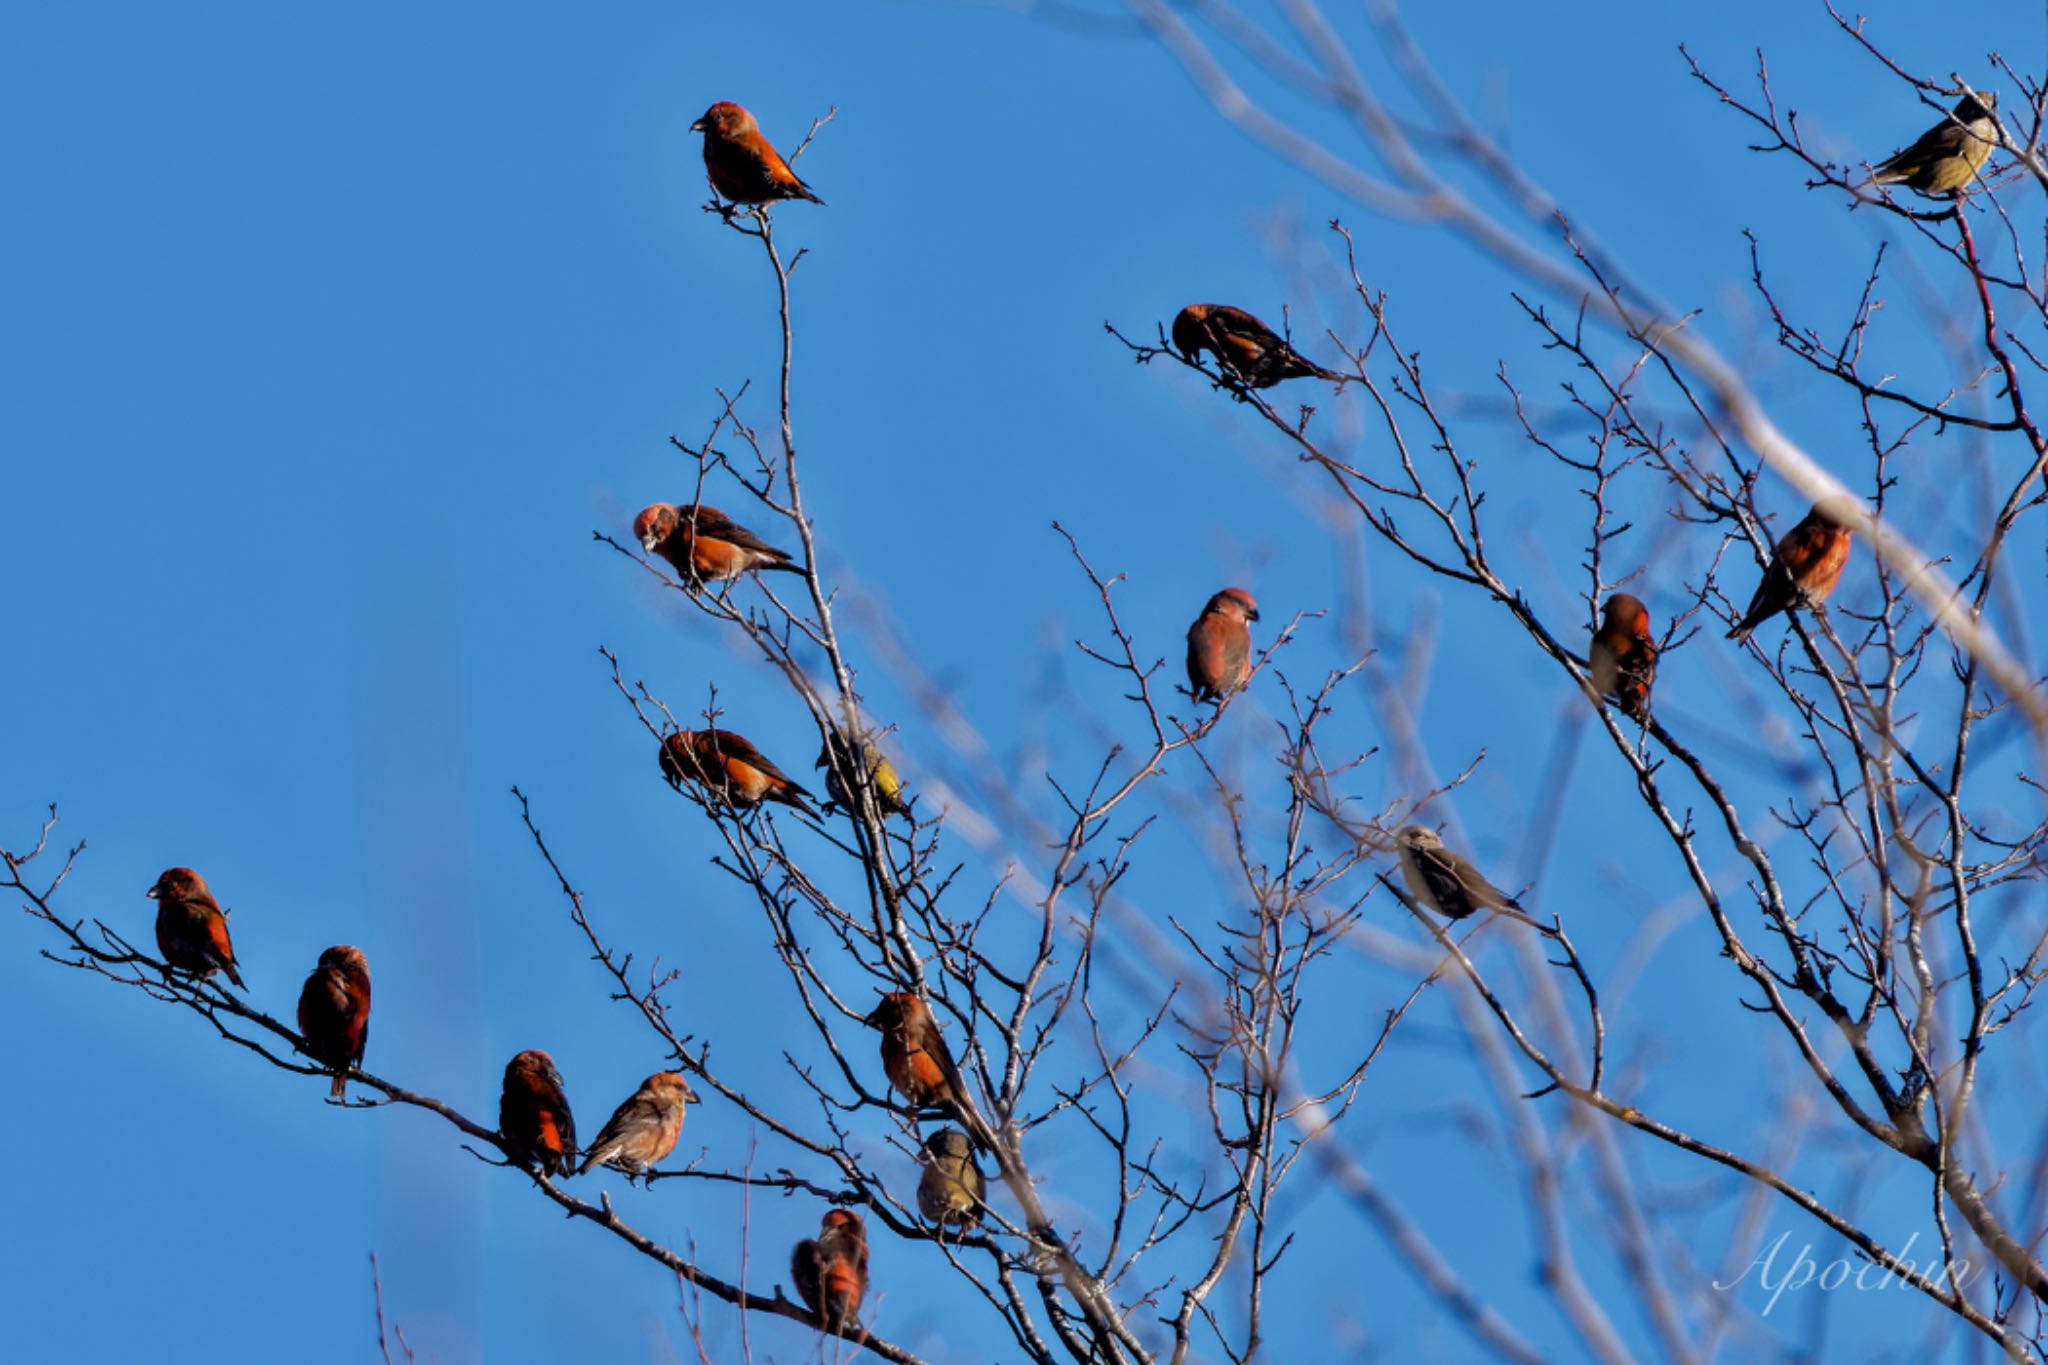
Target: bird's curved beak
{"x":151,"y":893}
{"x":1255,"y":614}
{"x":698,"y":126}
{"x":649,"y":541}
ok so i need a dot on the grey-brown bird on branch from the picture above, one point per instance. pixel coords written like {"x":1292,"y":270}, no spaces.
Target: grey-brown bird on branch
{"x":1220,"y":645}
{"x":191,"y":928}
{"x":1246,"y":349}
{"x":1442,"y":881}
{"x":952,"y":1189}
{"x":1947,"y":157}
{"x":1623,"y":659}
{"x":1804,"y":568}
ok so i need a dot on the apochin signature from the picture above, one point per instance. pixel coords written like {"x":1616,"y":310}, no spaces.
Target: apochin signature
{"x":1802,"y":1271}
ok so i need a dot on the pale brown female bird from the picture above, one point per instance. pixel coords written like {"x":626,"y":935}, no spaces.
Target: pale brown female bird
{"x":644,"y":1129}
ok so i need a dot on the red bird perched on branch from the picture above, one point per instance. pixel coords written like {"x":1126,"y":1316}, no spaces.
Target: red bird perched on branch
{"x":1624,"y":656}
{"x":741,"y":164}
{"x":1805,"y":568}
{"x":918,"y":1063}
{"x":729,"y":767}
{"x":831,"y":1273}
{"x":191,"y":928}
{"x":1246,"y":349}
{"x":644,"y":1129}
{"x":334,"y":1013}
{"x":703,"y":544}
{"x":1220,"y":645}
{"x":533,"y":1115}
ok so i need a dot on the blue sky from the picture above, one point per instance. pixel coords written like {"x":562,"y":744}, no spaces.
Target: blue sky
{"x":332,"y":336}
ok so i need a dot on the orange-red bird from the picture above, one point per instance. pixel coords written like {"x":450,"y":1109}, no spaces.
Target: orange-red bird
{"x":703,"y":544}
{"x":1804,"y":570}
{"x":1220,"y":645}
{"x":334,"y":1013}
{"x":729,"y":767}
{"x":191,"y":928}
{"x":741,"y":164}
{"x":644,"y":1129}
{"x":1245,"y":348}
{"x":533,"y":1115}
{"x":918,"y":1063}
{"x":1624,"y":656}
{"x":831,"y":1273}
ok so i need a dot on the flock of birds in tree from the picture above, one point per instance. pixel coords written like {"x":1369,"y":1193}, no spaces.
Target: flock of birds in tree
{"x":704,"y":546}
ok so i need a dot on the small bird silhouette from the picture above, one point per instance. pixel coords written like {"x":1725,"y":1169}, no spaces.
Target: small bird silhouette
{"x":191,"y":928}
{"x":836,"y":757}
{"x":1246,"y":349}
{"x":1804,"y":569}
{"x":952,"y":1190}
{"x":1623,"y":658}
{"x":741,"y":163}
{"x":334,"y":1013}
{"x":831,"y":1273}
{"x":533,"y":1115}
{"x":1947,"y":157}
{"x":1220,"y":645}
{"x":644,"y":1129}
{"x":729,"y":767}
{"x":703,"y":544}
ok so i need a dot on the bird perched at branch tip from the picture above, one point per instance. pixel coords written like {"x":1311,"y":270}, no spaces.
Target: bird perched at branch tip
{"x":1947,"y":157}
{"x":1623,"y":659}
{"x":831,"y":1273}
{"x":1246,"y":349}
{"x":703,"y":544}
{"x":334,"y":1013}
{"x":1220,"y":645}
{"x":191,"y":928}
{"x":741,"y":163}
{"x":644,"y":1129}
{"x":728,"y":766}
{"x":1804,"y":567}
{"x":533,"y":1115}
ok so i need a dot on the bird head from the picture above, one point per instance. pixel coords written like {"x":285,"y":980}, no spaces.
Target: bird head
{"x":1418,"y":838}
{"x":896,"y":1010}
{"x":656,"y":523}
{"x":177,"y":884}
{"x":1627,"y":612}
{"x":844,"y":1221}
{"x":1973,"y":107}
{"x":1191,"y":329}
{"x":673,"y":1082}
{"x":724,"y":119}
{"x":948,"y":1144}
{"x":345,"y":959}
{"x":1234,"y":602}
{"x":1840,"y":511}
{"x":533,"y":1060}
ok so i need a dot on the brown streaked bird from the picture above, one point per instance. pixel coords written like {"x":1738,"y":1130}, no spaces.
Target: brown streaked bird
{"x":191,"y":928}
{"x":1446,"y":883}
{"x":740,"y":162}
{"x":644,"y":1129}
{"x":952,"y":1189}
{"x":1947,"y":157}
{"x":1623,"y":659}
{"x":1804,"y":568}
{"x":730,"y":768}
{"x":533,"y":1115}
{"x":918,"y":1063}
{"x":703,"y":544}
{"x":1246,"y":349}
{"x":831,"y":1273}
{"x":1220,"y":645}
{"x":334,"y":1013}
{"x":836,"y":756}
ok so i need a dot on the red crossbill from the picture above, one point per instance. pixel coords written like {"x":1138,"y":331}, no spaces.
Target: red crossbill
{"x":741,"y":164}
{"x":191,"y":928}
{"x":703,"y":544}
{"x":644,"y":1129}
{"x":831,"y":1274}
{"x":730,"y":768}
{"x":533,"y":1115}
{"x":918,"y":1063}
{"x":1804,"y":570}
{"x":1220,"y":645}
{"x":334,"y":1013}
{"x":1245,"y":348}
{"x":1623,"y":658}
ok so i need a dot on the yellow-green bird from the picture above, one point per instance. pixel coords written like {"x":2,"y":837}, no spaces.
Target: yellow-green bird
{"x":952,"y":1189}
{"x":836,"y":757}
{"x":1948,"y":156}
